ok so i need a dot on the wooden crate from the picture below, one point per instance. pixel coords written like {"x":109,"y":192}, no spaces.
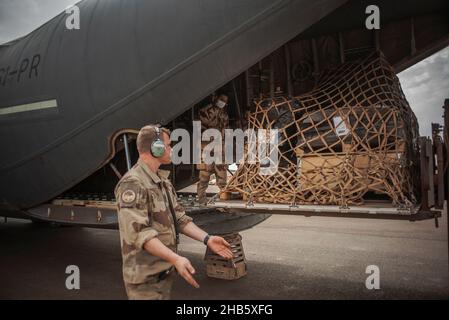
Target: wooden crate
{"x":233,"y":269}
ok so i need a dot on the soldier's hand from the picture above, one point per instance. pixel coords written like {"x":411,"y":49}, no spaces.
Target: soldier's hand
{"x":220,"y":246}
{"x":186,"y":270}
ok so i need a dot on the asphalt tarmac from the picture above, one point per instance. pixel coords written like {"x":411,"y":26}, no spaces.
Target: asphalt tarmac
{"x":288,"y":257}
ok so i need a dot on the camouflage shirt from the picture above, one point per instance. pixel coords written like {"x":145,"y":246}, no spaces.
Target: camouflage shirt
{"x":212,"y":116}
{"x":144,"y":213}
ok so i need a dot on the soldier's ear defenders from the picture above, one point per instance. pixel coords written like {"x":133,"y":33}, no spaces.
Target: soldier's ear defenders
{"x":157,"y":146}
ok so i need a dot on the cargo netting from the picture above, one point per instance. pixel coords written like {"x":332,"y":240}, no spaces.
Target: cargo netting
{"x":353,"y":136}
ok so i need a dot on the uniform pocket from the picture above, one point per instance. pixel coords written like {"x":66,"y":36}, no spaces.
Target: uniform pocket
{"x":157,"y":200}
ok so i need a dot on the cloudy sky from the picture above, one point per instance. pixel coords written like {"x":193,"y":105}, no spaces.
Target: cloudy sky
{"x":425,"y":84}
{"x":19,"y":17}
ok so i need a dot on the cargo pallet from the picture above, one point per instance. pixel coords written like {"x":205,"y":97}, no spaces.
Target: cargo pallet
{"x":220,"y":268}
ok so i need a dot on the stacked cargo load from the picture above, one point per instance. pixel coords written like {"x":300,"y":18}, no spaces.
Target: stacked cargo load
{"x":352,"y":138}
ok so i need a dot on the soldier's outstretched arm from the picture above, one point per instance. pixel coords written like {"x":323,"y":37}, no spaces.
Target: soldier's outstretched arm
{"x":217,"y":244}
{"x":189,"y":228}
{"x":193,"y":231}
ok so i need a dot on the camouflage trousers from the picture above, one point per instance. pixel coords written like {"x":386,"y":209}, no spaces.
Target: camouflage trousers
{"x":220,"y":171}
{"x":153,"y":289}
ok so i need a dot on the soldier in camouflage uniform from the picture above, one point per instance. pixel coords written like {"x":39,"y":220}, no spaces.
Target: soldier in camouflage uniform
{"x":149,"y":217}
{"x":213,"y":116}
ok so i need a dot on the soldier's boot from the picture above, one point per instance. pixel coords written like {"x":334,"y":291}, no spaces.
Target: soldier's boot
{"x":222,"y":175}
{"x":202,"y":187}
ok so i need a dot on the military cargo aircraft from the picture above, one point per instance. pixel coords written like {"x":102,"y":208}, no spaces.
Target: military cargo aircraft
{"x":72,"y":100}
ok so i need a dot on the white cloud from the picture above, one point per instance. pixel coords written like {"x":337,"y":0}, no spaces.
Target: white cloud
{"x":421,"y":77}
{"x":20,"y":17}
{"x":425,"y":86}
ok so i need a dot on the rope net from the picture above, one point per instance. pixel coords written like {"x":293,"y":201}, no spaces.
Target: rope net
{"x":352,"y":137}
